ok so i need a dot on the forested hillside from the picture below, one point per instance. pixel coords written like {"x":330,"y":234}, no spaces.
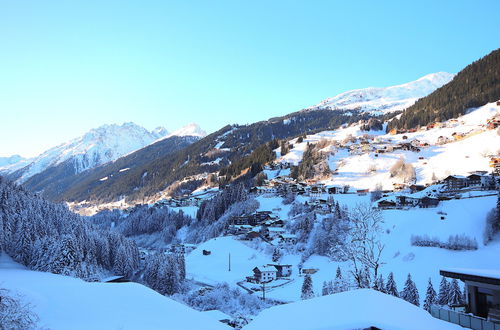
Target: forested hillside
{"x":58,"y":179}
{"x":210,"y":154}
{"x":474,"y":86}
{"x":48,"y":237}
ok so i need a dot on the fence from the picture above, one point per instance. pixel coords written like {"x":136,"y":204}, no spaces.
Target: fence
{"x":464,"y":320}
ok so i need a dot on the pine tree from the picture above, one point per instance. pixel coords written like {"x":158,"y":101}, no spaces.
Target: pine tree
{"x":443,"y":292}
{"x":410,"y":292}
{"x":454,"y":294}
{"x":307,"y":288}
{"x":339,"y":283}
{"x":276,"y":255}
{"x":379,"y":284}
{"x":430,"y":297}
{"x":391,"y":287}
{"x":325,"y":291}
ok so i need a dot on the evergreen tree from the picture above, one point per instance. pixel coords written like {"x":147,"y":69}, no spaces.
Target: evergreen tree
{"x":454,"y":294}
{"x":430,"y":297}
{"x":391,"y":287}
{"x":276,"y":255}
{"x":339,"y":284}
{"x":307,"y":288}
{"x":443,"y":292}
{"x":325,"y":290}
{"x":410,"y":292}
{"x":379,"y":284}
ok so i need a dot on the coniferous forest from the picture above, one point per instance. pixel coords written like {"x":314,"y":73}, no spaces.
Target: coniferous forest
{"x":474,"y":86}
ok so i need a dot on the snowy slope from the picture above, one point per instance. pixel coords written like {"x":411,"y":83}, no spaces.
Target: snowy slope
{"x":358,"y":309}
{"x":459,"y":157}
{"x":191,"y":129}
{"x":214,"y":268}
{"x":64,"y":302}
{"x":96,"y":147}
{"x":387,"y":99}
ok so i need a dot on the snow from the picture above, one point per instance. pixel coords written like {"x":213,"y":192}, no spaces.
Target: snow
{"x":388,"y":99}
{"x":98,"y":146}
{"x":214,"y":268}
{"x":64,"y":302}
{"x":191,"y":129}
{"x":459,"y":158}
{"x":358,"y":309}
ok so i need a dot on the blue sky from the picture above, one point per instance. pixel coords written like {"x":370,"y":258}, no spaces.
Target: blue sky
{"x":69,"y":66}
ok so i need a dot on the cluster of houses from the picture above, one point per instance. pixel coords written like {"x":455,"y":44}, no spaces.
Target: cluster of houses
{"x":283,"y":185}
{"x":433,"y":194}
{"x":270,"y":272}
{"x":260,"y":224}
{"x":478,"y":180}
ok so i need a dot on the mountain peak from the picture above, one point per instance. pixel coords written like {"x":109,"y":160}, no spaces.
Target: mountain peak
{"x":191,"y":129}
{"x":386,"y":99}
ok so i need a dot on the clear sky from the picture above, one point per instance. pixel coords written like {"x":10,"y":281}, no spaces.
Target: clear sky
{"x":69,"y":66}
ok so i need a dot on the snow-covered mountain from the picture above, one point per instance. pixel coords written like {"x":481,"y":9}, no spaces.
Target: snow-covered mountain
{"x":7,"y":161}
{"x":386,"y":99}
{"x":191,"y":129}
{"x":96,"y":147}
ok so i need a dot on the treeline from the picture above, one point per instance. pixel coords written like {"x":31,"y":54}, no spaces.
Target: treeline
{"x":48,"y":237}
{"x":474,"y":86}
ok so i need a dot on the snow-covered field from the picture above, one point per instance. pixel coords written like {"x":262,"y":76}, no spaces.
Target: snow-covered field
{"x":465,"y":216}
{"x":68,"y":303}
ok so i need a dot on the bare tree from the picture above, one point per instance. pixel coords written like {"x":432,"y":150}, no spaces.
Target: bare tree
{"x":365,"y":248}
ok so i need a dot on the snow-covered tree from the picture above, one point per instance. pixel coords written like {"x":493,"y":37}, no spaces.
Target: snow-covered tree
{"x":325,"y":291}
{"x":410,"y":292}
{"x":339,"y":283}
{"x":14,"y":313}
{"x":443,"y":294}
{"x":307,"y":291}
{"x":391,"y":287}
{"x":430,"y":297}
{"x":454,"y":294}
{"x":379,"y":284}
{"x":276,"y":255}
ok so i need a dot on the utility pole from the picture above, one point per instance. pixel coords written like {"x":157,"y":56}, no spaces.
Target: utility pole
{"x":229,"y":261}
{"x":264,"y":291}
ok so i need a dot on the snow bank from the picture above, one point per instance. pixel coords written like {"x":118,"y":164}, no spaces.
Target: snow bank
{"x":356,"y":309}
{"x":64,"y":302}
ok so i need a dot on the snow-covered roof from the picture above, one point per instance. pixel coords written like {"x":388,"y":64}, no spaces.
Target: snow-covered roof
{"x":267,"y":268}
{"x":288,"y":236}
{"x":491,"y":276}
{"x":356,"y":309}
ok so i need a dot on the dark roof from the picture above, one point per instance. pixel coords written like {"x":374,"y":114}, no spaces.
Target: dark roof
{"x":474,"y":275}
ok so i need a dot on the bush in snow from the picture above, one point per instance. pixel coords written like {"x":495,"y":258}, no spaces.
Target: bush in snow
{"x":228,"y":300}
{"x":14,"y":313}
{"x":455,"y":242}
{"x":403,"y":170}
